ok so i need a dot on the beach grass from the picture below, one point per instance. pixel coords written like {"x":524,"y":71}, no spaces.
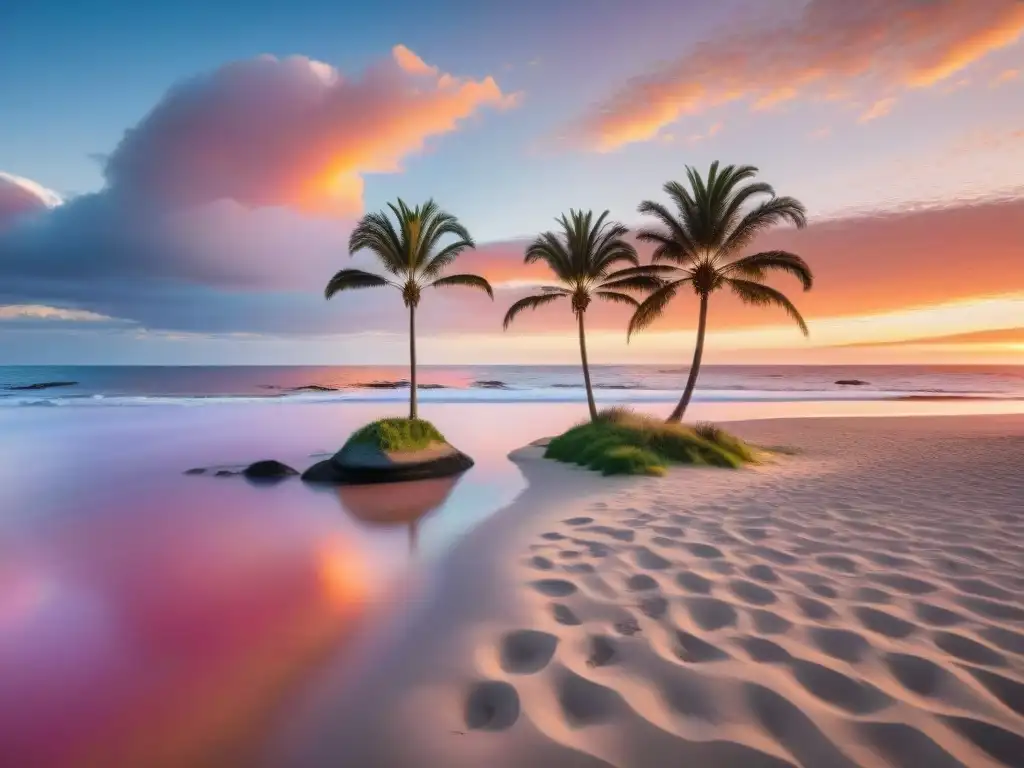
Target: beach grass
{"x":395,"y":434}
{"x":620,"y":442}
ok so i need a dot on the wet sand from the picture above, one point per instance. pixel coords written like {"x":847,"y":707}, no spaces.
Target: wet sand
{"x":860,"y":603}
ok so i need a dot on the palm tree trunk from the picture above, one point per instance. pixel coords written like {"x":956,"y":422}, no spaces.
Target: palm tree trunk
{"x":413,"y":392}
{"x":586,"y":370}
{"x":698,"y":353}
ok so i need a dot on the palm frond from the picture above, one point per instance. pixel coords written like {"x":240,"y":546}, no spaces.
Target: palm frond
{"x":349,"y":279}
{"x":633,"y":283}
{"x":375,"y":233}
{"x":757,"y":265}
{"x":437,"y":263}
{"x":760,"y":295}
{"x":765,"y":216}
{"x":653,"y":306}
{"x":467,"y":281}
{"x":549,"y":249}
{"x":675,"y":241}
{"x":617,"y":298}
{"x":530,"y":302}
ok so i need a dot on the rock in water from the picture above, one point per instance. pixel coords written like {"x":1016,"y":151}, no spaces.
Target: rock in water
{"x":361,"y":464}
{"x":42,"y":385}
{"x":268,"y":470}
{"x":852,"y":383}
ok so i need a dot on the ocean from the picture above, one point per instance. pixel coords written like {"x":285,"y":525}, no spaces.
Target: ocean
{"x":152,"y":385}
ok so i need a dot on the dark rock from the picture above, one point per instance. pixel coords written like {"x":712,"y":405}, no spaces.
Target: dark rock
{"x":42,"y":385}
{"x":313,"y":388}
{"x":340,"y":469}
{"x":224,"y":473}
{"x":268,"y":470}
{"x":195,"y":471}
{"x":490,"y":384}
{"x":852,"y":383}
{"x":400,"y":384}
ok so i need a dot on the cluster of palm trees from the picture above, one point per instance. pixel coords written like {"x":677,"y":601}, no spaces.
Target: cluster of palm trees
{"x":697,"y":246}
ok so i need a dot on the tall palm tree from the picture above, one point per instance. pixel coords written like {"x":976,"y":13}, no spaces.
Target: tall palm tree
{"x":582,"y":256}
{"x":409,"y":250}
{"x":704,"y":236}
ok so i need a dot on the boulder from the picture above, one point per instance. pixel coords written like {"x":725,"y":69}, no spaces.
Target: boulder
{"x":269,"y":469}
{"x":852,"y":383}
{"x":364,"y":463}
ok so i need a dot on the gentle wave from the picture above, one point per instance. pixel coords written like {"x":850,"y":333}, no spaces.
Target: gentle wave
{"x":454,"y":395}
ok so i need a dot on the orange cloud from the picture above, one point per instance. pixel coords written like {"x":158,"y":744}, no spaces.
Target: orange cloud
{"x":292,"y":132}
{"x":833,"y":46}
{"x":1006,"y":76}
{"x":880,"y":108}
{"x":865,"y":265}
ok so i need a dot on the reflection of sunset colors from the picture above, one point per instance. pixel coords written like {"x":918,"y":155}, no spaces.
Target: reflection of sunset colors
{"x":395,"y":503}
{"x":163,"y":641}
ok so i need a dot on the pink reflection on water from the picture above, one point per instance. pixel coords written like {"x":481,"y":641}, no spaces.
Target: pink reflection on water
{"x":162,"y":638}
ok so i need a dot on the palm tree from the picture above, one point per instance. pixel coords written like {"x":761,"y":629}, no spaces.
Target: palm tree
{"x":409,"y":252}
{"x":582,"y":256}
{"x":712,"y":224}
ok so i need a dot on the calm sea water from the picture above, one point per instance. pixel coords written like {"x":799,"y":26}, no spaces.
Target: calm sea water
{"x":152,"y":618}
{"x":198,"y":385}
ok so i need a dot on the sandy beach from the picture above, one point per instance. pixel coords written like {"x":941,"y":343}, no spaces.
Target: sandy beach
{"x":859,"y":603}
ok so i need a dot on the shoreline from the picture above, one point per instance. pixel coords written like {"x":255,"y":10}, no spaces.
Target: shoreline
{"x":757,"y":617}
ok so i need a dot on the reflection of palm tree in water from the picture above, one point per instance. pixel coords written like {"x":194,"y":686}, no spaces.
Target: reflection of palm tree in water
{"x":388,"y":505}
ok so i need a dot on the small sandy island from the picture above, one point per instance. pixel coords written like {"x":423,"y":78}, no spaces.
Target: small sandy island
{"x":861,"y":603}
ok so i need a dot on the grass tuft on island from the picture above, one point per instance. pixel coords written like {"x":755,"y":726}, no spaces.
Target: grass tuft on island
{"x":620,"y":442}
{"x":397,"y":435}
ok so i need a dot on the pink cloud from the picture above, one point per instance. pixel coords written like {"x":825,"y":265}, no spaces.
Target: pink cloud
{"x":19,"y":196}
{"x":871,"y":47}
{"x":292,"y":132}
{"x":880,"y":108}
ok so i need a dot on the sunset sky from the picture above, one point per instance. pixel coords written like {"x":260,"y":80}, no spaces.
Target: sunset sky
{"x":178,"y":183}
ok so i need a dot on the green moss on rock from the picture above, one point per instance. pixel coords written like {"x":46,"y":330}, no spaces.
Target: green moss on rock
{"x":394,"y":435}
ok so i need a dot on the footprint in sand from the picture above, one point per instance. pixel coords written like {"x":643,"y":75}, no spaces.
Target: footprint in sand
{"x":936,"y":616}
{"x":641,"y":582}
{"x":703,"y":551}
{"x":492,"y":705}
{"x":966,"y":649}
{"x":920,"y":676}
{"x":840,"y":644}
{"x":602,"y":651}
{"x":694,"y":582}
{"x":752,"y":593}
{"x":564,"y":615}
{"x":554,"y":587}
{"x":541,"y":563}
{"x":711,"y":614}
{"x":854,"y":696}
{"x":584,"y":702}
{"x":577,"y":521}
{"x":839,"y":563}
{"x":652,"y":561}
{"x":763,"y":573}
{"x":762,"y":650}
{"x":902,"y":583}
{"x":654,"y":606}
{"x":526,"y":651}
{"x":883,"y":623}
{"x":871,"y":595}
{"x":768,"y":623}
{"x":692,"y":649}
{"x":814,"y":609}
